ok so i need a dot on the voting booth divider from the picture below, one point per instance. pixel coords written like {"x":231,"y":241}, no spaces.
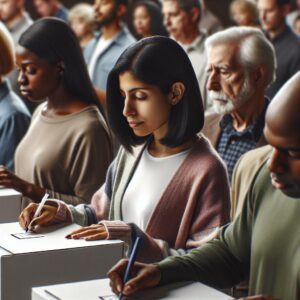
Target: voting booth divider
{"x":47,"y":257}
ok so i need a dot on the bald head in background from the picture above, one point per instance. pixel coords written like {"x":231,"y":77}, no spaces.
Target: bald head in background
{"x":283,"y":134}
{"x":283,"y":113}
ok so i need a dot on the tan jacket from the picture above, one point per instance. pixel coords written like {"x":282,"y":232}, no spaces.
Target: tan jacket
{"x":211,"y":128}
{"x":243,"y":175}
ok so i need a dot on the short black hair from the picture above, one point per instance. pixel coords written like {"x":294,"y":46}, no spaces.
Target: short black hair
{"x":159,"y":61}
{"x":120,"y":2}
{"x":283,"y":2}
{"x":53,"y":40}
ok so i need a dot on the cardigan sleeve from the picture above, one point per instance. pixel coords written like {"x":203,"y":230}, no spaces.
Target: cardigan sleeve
{"x":98,"y":210}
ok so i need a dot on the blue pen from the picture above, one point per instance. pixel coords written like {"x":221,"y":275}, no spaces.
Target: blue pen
{"x":132,"y":259}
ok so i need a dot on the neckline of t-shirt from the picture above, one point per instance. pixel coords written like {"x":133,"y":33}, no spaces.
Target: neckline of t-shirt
{"x":154,"y":158}
{"x":64,"y":118}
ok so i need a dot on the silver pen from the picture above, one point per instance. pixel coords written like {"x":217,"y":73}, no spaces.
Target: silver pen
{"x":38,"y":211}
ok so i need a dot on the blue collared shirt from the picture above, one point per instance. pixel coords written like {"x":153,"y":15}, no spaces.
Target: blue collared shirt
{"x":232,"y":144}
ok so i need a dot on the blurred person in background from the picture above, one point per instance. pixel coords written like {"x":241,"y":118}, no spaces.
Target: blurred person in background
{"x":82,"y":21}
{"x":209,"y":22}
{"x":290,"y":18}
{"x":181,"y":18}
{"x":272,"y":14}
{"x":296,"y":25}
{"x":17,"y":20}
{"x":14,"y":116}
{"x":51,"y":8}
{"x":112,"y":39}
{"x":14,"y":16}
{"x":147,"y":19}
{"x":244,"y":12}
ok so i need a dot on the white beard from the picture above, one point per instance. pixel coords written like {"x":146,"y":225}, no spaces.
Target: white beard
{"x":224,"y":105}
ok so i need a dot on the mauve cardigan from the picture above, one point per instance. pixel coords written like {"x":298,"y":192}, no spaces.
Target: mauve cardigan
{"x":195,"y":202}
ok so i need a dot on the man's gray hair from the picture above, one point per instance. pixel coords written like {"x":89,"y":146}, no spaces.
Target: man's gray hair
{"x":255,"y":49}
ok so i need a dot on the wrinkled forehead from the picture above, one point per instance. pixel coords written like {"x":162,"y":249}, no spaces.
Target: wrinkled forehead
{"x":224,"y":54}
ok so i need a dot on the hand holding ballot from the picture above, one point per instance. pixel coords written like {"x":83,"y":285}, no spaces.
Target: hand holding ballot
{"x":144,"y":276}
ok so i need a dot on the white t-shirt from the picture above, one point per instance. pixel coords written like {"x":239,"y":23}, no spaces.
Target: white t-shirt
{"x":101,"y":45}
{"x":147,"y":185}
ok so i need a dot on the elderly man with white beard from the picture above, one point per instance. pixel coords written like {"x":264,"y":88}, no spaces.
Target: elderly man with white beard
{"x":241,"y":65}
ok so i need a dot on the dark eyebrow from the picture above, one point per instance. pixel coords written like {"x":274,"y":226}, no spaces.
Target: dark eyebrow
{"x":27,"y":62}
{"x":135,"y":89}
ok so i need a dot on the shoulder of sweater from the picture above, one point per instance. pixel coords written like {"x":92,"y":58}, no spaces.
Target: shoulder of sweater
{"x":204,"y":153}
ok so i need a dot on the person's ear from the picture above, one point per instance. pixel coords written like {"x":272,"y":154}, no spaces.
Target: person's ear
{"x":61,"y":68}
{"x":259,"y":76}
{"x":176,"y":93}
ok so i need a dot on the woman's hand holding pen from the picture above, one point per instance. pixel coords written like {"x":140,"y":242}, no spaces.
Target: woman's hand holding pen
{"x":46,"y":218}
{"x":89,"y":233}
{"x":144,"y":276}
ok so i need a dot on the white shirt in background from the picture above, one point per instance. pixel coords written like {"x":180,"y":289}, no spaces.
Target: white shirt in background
{"x":101,"y":45}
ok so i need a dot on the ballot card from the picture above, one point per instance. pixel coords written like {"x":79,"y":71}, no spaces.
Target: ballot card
{"x":27,"y":235}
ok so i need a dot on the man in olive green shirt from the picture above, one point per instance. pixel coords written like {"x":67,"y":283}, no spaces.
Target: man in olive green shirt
{"x":263,"y":243}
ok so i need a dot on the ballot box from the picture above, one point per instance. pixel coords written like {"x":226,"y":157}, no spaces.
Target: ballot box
{"x":10,"y":205}
{"x":99,"y":289}
{"x":47,"y":257}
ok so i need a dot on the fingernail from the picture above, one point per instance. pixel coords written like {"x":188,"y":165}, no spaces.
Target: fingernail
{"x":68,"y":236}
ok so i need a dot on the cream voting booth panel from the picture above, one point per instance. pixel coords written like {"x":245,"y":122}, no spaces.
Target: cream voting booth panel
{"x":49,"y":258}
{"x":99,"y":289}
{"x":10,"y":205}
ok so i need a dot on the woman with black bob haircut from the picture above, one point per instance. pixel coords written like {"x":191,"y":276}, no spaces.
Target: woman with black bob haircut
{"x":159,"y":62}
{"x":166,"y":184}
{"x":68,"y":135}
